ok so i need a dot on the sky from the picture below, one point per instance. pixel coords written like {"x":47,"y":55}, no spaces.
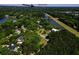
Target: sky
{"x":48,"y":3}
{"x":39,"y":1}
{"x":61,"y":5}
{"x":45,"y":5}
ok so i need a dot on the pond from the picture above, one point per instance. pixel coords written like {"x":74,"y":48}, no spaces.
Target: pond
{"x":53,"y":22}
{"x":3,"y":20}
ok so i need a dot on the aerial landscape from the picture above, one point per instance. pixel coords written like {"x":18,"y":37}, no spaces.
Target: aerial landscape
{"x":39,"y":29}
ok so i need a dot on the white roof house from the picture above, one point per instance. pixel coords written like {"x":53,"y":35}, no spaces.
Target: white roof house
{"x":14,"y":21}
{"x":5,"y":45}
{"x":17,"y":31}
{"x":38,"y":22}
{"x":19,"y":42}
{"x":12,"y":44}
{"x":6,"y":16}
{"x":55,"y":30}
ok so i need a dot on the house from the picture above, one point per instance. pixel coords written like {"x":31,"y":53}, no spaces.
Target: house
{"x":12,"y":46}
{"x":23,"y":28}
{"x":14,"y":21}
{"x":7,"y":16}
{"x":55,"y":30}
{"x":16,"y":48}
{"x":5,"y":45}
{"x":38,"y":21}
{"x":20,"y":40}
{"x":17,"y":31}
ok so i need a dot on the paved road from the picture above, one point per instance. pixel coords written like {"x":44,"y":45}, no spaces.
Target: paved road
{"x":70,"y":29}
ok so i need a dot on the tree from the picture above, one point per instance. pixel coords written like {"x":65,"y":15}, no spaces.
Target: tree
{"x":30,"y":43}
{"x":61,"y":43}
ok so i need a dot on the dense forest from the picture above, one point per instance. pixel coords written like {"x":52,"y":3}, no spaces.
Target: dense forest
{"x":61,"y":43}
